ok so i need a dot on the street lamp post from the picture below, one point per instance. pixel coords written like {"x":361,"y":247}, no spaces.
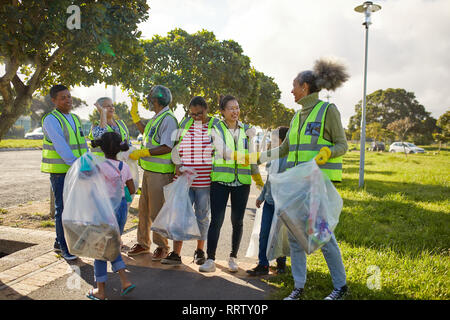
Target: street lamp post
{"x":367,"y":8}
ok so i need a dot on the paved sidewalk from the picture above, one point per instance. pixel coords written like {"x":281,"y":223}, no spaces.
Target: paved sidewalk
{"x":38,"y":273}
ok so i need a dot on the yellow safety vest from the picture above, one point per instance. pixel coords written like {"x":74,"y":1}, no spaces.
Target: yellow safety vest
{"x":124,"y":133}
{"x":51,"y":160}
{"x":226,"y":170}
{"x":160,"y":163}
{"x":306,"y":142}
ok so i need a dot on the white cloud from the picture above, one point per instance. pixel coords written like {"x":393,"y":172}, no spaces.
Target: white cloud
{"x":408,"y":43}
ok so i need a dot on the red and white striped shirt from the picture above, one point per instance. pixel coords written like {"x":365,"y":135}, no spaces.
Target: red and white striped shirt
{"x":195,"y":151}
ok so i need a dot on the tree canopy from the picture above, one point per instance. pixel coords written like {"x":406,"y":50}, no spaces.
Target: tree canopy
{"x":387,"y":106}
{"x":199,"y":64}
{"x":39,"y":49}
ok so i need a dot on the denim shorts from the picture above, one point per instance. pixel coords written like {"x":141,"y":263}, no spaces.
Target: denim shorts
{"x":201,"y":201}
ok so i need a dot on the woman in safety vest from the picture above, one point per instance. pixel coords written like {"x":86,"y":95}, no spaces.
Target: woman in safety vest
{"x":107,"y":123}
{"x":315,"y":132}
{"x":230,"y":174}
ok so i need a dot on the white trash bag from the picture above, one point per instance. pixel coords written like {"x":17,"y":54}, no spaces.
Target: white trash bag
{"x":307,"y":203}
{"x":176,"y":220}
{"x":89,"y":220}
{"x":253,"y":246}
{"x":278,"y":241}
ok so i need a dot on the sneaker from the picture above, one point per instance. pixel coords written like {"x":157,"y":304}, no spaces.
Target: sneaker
{"x":68,"y":257}
{"x":281,"y":266}
{"x":199,"y":257}
{"x":56,"y":247}
{"x":137,"y":249}
{"x":295,"y":294}
{"x":208,"y":266}
{"x":259,"y":270}
{"x":172,"y":259}
{"x":159,"y":253}
{"x":232,"y":265}
{"x":337,"y":294}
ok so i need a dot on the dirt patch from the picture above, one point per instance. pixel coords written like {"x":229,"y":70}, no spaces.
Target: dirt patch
{"x":36,"y":215}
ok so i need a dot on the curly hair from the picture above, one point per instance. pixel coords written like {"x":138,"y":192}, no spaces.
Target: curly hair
{"x":327,"y":74}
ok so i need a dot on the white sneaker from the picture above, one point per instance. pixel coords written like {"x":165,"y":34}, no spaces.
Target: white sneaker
{"x":232,"y":265}
{"x":208,"y":266}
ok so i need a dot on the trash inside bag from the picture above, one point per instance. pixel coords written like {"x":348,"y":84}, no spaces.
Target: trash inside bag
{"x":253,"y":246}
{"x":133,"y":164}
{"x":89,"y":220}
{"x":176,"y":220}
{"x":307,"y":203}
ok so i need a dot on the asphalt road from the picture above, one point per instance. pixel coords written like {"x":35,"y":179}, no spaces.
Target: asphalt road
{"x":21,"y":181}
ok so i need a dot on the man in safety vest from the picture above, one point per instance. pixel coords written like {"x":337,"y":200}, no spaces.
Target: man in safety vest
{"x":155,"y":158}
{"x":63,"y":143}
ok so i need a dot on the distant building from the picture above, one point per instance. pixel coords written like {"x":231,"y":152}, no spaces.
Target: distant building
{"x":25,"y":122}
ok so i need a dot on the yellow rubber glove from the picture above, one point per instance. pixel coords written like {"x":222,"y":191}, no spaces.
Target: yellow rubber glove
{"x":136,"y":154}
{"x":323,"y":156}
{"x":258,"y":181}
{"x":245,"y":159}
{"x":134,"y":110}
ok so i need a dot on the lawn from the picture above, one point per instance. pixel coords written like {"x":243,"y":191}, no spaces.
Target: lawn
{"x":394,"y":234}
{"x":20,"y":143}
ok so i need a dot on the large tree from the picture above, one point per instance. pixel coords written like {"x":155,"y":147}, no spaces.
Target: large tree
{"x":41,"y":45}
{"x":386,"y":106}
{"x":199,"y":64}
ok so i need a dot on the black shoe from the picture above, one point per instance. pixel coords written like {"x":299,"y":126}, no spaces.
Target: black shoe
{"x":337,"y":294}
{"x":199,"y":257}
{"x":295,"y":294}
{"x":259,"y":270}
{"x":56,"y":247}
{"x":172,"y":259}
{"x":281,"y":265}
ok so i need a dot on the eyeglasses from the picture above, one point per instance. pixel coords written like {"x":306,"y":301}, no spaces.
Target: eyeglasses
{"x":198,"y":114}
{"x":233,"y":109}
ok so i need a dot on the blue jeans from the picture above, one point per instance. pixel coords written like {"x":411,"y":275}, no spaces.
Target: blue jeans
{"x":200,"y":199}
{"x":332,"y":256}
{"x":266,"y":223}
{"x":100,"y":267}
{"x":57,"y":182}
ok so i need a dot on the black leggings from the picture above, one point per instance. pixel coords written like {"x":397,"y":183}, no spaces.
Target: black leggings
{"x":219,"y":199}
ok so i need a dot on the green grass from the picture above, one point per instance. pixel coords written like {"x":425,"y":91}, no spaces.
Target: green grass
{"x":20,"y":143}
{"x":399,"y":223}
{"x":47,"y":224}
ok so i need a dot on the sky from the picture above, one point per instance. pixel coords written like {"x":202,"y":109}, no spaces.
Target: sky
{"x":409,"y":44}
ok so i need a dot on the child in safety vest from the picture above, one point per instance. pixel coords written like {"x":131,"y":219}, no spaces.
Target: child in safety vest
{"x":114,"y":172}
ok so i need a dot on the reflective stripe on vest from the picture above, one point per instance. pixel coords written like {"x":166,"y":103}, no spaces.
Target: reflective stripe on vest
{"x":51,"y":160}
{"x":186,"y":123}
{"x":160,"y":163}
{"x":124,"y":133}
{"x":227,"y":170}
{"x":306,"y":142}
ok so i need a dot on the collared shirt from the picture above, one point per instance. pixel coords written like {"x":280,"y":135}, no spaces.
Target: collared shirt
{"x":166,"y":128}
{"x":52,"y":129}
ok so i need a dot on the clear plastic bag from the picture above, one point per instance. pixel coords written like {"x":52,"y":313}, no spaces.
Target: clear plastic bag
{"x":278,"y":241}
{"x":89,"y":220}
{"x":176,"y":220}
{"x":253,"y":246}
{"x":307,"y":203}
{"x":133,"y":164}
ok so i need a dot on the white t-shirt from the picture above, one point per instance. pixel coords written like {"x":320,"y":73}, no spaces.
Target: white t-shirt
{"x":112,"y":175}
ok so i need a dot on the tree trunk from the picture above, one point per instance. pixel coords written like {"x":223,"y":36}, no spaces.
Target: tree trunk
{"x":12,"y":112}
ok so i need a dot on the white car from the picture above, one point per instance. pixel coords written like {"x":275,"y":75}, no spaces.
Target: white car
{"x":405,"y":147}
{"x":35,"y":134}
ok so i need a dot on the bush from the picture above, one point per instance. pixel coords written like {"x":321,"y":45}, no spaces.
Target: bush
{"x":15,"y":132}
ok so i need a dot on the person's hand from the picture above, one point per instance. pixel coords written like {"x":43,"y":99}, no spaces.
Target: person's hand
{"x":136,"y":154}
{"x":323,"y":156}
{"x":177,"y":170}
{"x":258,"y":181}
{"x":258,"y":203}
{"x":99,"y":107}
{"x":134,"y":110}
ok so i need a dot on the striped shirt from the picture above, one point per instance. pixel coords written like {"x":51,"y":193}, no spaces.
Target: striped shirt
{"x":195,"y":151}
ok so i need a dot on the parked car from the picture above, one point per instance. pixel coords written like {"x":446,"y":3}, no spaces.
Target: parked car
{"x":36,"y":134}
{"x":407,"y":147}
{"x":376,"y":146}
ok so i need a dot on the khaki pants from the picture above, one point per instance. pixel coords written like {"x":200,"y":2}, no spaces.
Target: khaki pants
{"x":150,"y":203}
